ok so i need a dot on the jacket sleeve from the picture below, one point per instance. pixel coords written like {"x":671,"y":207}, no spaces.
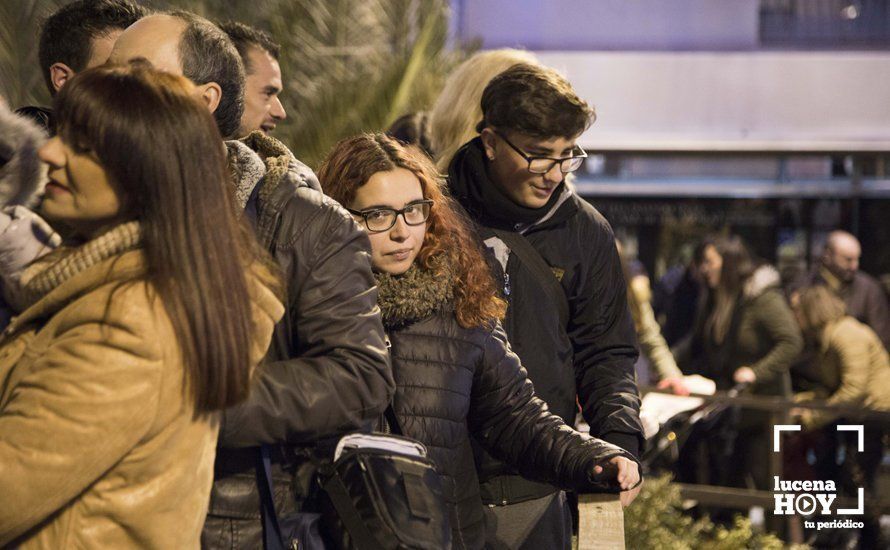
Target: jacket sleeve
{"x":878,"y":313}
{"x":86,"y":402}
{"x":338,"y":376}
{"x":602,"y":335}
{"x":516,"y":426}
{"x":775,"y":318}
{"x":652,"y":343}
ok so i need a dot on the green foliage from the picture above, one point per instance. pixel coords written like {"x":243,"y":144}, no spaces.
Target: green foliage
{"x":348,"y":66}
{"x":656,"y":520}
{"x":21,"y":81}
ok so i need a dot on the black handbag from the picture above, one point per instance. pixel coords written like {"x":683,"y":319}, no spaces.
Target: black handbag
{"x":382,"y":492}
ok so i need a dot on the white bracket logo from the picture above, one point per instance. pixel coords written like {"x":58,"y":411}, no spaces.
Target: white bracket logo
{"x":860,"y":440}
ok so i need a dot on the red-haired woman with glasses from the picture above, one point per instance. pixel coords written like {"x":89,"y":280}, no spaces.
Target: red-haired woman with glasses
{"x":454,"y":370}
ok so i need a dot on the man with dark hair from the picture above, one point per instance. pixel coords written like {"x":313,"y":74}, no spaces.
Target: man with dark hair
{"x":839,"y":269}
{"x":80,"y":35}
{"x":556,"y":260}
{"x":327,"y":371}
{"x":75,"y":37}
{"x":187,"y":44}
{"x":259,"y":53}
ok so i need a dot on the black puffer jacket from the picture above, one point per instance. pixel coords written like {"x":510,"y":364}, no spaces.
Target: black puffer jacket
{"x":453,"y":381}
{"x":327,"y":371}
{"x":592,"y":356}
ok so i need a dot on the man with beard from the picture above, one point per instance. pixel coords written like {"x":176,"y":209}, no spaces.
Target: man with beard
{"x":259,"y":53}
{"x":839,"y":270}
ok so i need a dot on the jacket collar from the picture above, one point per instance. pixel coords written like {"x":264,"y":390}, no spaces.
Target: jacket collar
{"x":63,"y":275}
{"x":282,"y":175}
{"x":246,"y":169}
{"x":764,"y":278}
{"x":416,"y":294}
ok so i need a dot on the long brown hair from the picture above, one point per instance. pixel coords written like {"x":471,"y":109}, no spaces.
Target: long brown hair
{"x":162,"y":150}
{"x":738,"y":265}
{"x":351,"y":164}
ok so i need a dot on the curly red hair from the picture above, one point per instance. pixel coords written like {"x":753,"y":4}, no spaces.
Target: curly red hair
{"x":449,"y":234}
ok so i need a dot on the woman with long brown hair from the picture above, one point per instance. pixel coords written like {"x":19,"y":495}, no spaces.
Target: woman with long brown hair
{"x":137,"y":330}
{"x":744,"y":333}
{"x":454,"y":371}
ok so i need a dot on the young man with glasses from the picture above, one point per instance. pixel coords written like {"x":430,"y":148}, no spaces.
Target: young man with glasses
{"x":567,"y":315}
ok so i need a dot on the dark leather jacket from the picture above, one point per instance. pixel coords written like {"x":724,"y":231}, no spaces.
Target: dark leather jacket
{"x":452,"y":382}
{"x":327,"y":371}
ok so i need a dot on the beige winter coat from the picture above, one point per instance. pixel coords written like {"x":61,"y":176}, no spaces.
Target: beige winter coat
{"x":652,"y":343}
{"x":99,"y":447}
{"x":851,"y":352}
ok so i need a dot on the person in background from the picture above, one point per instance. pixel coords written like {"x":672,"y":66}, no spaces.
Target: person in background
{"x":77,"y":36}
{"x":554,"y":258}
{"x":138,"y":331}
{"x":454,"y":116}
{"x":413,"y":129}
{"x":744,"y":333}
{"x":676,"y":295}
{"x":455,"y":374}
{"x":24,"y":236}
{"x":263,"y":110}
{"x":839,"y":269}
{"x":851,"y":354}
{"x":652,"y":344}
{"x":327,"y":371}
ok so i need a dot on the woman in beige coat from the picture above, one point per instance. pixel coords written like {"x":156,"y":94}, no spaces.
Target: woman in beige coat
{"x":851,"y":357}
{"x":855,"y":363}
{"x":136,"y":331}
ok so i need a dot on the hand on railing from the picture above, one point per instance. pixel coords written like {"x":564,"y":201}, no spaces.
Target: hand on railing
{"x":626,"y":474}
{"x":744,"y":375}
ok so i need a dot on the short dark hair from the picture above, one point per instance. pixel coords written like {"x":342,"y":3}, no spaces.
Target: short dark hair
{"x":66,"y":36}
{"x":244,"y":37}
{"x":535,"y":101}
{"x":207,"y":55}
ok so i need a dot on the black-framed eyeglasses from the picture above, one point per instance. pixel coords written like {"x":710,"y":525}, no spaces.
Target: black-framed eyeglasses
{"x":542,"y":165}
{"x":382,"y":219}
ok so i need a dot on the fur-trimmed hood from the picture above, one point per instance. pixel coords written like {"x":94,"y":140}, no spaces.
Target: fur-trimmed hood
{"x":22,"y":175}
{"x":764,"y":278}
{"x":280,"y":162}
{"x":260,"y":157}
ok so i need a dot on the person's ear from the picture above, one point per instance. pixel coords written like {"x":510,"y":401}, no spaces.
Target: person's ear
{"x":59,"y":74}
{"x":211,"y":93}
{"x":489,"y":142}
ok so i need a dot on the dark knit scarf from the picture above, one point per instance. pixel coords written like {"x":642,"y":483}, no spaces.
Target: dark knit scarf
{"x":416,"y":294}
{"x":470,"y":184}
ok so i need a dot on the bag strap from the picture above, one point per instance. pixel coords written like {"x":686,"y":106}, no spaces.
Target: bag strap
{"x":532,"y":259}
{"x":272,"y":539}
{"x":390,"y":416}
{"x":336,"y":491}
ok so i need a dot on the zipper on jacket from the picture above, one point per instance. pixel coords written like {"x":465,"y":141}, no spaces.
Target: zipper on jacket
{"x":507,"y":288}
